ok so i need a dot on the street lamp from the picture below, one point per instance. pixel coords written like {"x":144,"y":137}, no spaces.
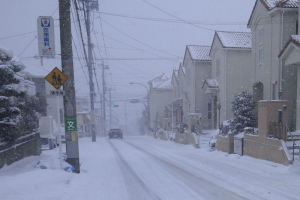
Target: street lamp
{"x":140,"y":84}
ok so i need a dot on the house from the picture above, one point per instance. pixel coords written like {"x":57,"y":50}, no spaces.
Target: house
{"x":176,"y":104}
{"x":271,"y":23}
{"x":183,"y":98}
{"x":197,"y":65}
{"x":289,"y":57}
{"x":232,"y":72}
{"x":211,"y":88}
{"x":160,"y":96}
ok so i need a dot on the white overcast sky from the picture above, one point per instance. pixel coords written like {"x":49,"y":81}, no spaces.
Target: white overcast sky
{"x":124,"y":37}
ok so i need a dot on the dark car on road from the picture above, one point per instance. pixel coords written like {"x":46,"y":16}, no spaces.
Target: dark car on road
{"x":115,"y":133}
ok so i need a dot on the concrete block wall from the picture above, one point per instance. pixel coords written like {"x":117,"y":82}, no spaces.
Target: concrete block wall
{"x":265,"y":148}
{"x":263,"y":145}
{"x":268,"y":112}
{"x":185,"y":138}
{"x":225,"y":143}
{"x":23,"y":147}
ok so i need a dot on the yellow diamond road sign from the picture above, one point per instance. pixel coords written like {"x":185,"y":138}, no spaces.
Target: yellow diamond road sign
{"x":56,"y":78}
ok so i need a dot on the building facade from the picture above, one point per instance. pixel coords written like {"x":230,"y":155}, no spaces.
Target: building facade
{"x":232,"y":70}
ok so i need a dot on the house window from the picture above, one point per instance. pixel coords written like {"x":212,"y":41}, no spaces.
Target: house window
{"x":260,"y":55}
{"x":297,"y":25}
{"x":273,"y":91}
{"x":218,"y":67}
{"x":260,"y":37}
{"x":209,"y":111}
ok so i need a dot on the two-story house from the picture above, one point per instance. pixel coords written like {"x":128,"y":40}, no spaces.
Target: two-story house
{"x":197,"y":65}
{"x":160,"y":97}
{"x":232,"y":70}
{"x":272,"y":23}
{"x":290,"y":59}
{"x":176,"y":104}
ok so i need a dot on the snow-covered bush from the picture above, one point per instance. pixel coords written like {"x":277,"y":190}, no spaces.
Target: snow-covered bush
{"x":29,"y":114}
{"x":243,"y":111}
{"x":10,"y":113}
{"x":17,"y":110}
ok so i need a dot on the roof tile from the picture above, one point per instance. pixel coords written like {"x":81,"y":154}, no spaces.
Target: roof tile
{"x":281,"y":3}
{"x":235,"y":39}
{"x":199,"y":52}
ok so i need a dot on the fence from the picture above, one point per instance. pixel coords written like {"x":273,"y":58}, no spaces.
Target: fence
{"x":24,"y":146}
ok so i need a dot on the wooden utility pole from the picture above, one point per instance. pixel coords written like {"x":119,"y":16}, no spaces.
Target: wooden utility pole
{"x":90,"y":66}
{"x":110,"y":109}
{"x":72,"y":147}
{"x":103,"y":98}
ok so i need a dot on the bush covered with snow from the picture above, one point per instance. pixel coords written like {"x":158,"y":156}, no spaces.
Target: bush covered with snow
{"x":17,"y":110}
{"x":243,"y":111}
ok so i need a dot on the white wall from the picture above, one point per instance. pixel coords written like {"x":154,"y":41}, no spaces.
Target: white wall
{"x":54,"y":104}
{"x":158,"y":99}
{"x":275,"y":37}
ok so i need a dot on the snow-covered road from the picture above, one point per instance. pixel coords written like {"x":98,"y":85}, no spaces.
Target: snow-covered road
{"x":138,"y":168}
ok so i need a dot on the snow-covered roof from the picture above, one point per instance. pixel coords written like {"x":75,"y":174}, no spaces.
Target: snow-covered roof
{"x":235,"y":39}
{"x":212,"y":83}
{"x":271,"y":4}
{"x":163,"y":82}
{"x":295,"y":39}
{"x":175,"y":74}
{"x":199,"y":52}
{"x":165,"y":85}
{"x":281,"y":3}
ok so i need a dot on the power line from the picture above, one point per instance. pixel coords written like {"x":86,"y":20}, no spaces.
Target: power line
{"x":120,"y":59}
{"x":176,"y":17}
{"x":126,"y":44}
{"x":17,"y":35}
{"x":27,"y":46}
{"x":166,"y":20}
{"x":138,"y":41}
{"x":80,"y":60}
{"x":80,"y":30}
{"x":102,"y":33}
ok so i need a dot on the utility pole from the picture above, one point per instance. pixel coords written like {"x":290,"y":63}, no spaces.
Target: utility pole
{"x":103,"y":99}
{"x":110,"y":109}
{"x":87,"y":5}
{"x":72,"y":147}
{"x":125,"y":116}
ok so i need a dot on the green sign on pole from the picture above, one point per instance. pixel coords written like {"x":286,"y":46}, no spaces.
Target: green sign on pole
{"x":70,"y":124}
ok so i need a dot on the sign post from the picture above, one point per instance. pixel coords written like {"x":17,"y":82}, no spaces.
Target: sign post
{"x":46,"y":38}
{"x":72,"y":147}
{"x":56,"y":78}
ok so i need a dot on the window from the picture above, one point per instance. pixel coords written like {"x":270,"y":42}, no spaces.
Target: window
{"x":218,"y":67}
{"x":260,"y":55}
{"x":273,"y":91}
{"x":260,"y":37}
{"x":297,"y":25}
{"x":209,"y":111}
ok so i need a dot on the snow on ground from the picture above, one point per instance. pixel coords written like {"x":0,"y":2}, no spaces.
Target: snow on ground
{"x":142,"y":167}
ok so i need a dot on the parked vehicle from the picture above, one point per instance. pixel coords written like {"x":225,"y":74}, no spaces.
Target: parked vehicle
{"x":115,"y":133}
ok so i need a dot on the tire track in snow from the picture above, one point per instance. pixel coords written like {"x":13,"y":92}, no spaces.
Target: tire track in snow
{"x":201,"y":186}
{"x":137,"y":189}
{"x":262,"y":190}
